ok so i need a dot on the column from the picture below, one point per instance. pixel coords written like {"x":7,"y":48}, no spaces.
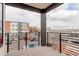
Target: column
{"x":43,"y":27}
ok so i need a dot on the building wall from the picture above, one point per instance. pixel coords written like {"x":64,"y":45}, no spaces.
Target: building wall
{"x":13,"y":27}
{"x":7,"y":26}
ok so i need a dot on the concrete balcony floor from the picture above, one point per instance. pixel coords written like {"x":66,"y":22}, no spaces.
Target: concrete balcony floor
{"x":38,"y":51}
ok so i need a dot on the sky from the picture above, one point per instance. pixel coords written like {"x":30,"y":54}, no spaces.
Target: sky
{"x":64,"y":16}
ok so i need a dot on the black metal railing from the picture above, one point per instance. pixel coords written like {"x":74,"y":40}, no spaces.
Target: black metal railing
{"x":64,"y":42}
{"x":70,"y":43}
{"x":7,"y":42}
{"x":16,"y":39}
{"x":67,"y":43}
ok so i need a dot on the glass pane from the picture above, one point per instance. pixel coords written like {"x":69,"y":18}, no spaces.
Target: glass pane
{"x":1,"y":40}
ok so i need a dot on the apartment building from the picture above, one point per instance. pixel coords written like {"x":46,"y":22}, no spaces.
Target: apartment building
{"x":15,"y":27}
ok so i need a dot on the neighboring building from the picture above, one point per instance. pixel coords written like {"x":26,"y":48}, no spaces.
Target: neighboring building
{"x":12,"y":27}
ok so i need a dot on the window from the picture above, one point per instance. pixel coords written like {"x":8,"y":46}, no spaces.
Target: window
{"x":21,"y":25}
{"x":13,"y":29}
{"x":16,"y":29}
{"x":12,"y":25}
{"x":21,"y":29}
{"x":16,"y":25}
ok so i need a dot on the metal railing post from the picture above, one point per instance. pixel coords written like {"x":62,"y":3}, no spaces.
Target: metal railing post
{"x":7,"y":42}
{"x":60,"y":42}
{"x":19,"y":41}
{"x":47,"y":39}
{"x":38,"y":38}
{"x":27,"y":38}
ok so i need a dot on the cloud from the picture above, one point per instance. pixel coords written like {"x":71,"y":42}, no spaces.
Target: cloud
{"x":20,"y":15}
{"x":73,"y":6}
{"x":61,"y":14}
{"x":63,"y":17}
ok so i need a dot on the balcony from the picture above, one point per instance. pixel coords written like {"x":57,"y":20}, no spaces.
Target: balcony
{"x":61,"y":43}
{"x":50,"y":30}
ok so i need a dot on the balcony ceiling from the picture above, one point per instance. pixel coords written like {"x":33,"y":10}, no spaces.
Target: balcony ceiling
{"x":35,"y":7}
{"x":39,"y":5}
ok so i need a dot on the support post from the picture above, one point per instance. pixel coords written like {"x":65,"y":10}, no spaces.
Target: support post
{"x":43,"y":27}
{"x":19,"y":34}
